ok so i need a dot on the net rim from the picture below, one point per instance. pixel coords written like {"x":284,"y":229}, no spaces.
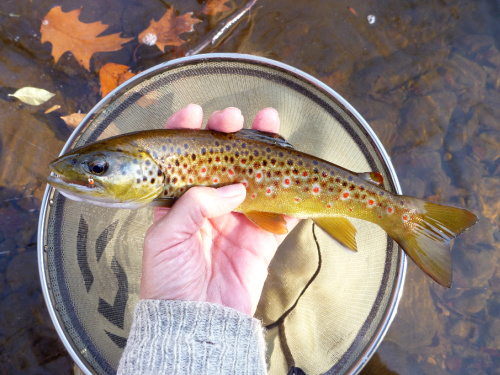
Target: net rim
{"x":396,"y":293}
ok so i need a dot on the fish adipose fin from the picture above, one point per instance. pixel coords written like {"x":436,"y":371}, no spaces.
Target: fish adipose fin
{"x":274,"y":223}
{"x":340,"y":229}
{"x":426,"y":239}
{"x":374,"y":178}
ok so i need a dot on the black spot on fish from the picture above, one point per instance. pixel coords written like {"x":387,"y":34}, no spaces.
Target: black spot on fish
{"x":164,"y":148}
{"x":237,"y":154}
{"x":277,"y":173}
{"x":256,"y":165}
{"x":256,"y":153}
{"x":138,"y":180}
{"x":203,"y":151}
{"x":217,"y":159}
{"x":315,"y":162}
{"x":153,"y":180}
{"x":231,"y":159}
{"x":193,"y":156}
{"x":361,"y":188}
{"x":177,"y":163}
{"x":226,"y":158}
{"x":150,"y":173}
{"x":155,"y":155}
{"x":295,"y":171}
{"x":281,"y":154}
{"x":148,"y":162}
{"x":273,"y":161}
{"x":264,"y":163}
{"x":183,"y":177}
{"x":250,"y":170}
{"x":243,"y":145}
{"x":209,"y":160}
{"x":185,"y":146}
{"x":316,"y":170}
{"x":381,"y":193}
{"x":289,"y":162}
{"x":268,"y":149}
{"x":144,"y":178}
{"x":174,"y":180}
{"x":349,"y":178}
{"x":344,"y":183}
{"x":179,"y":151}
{"x":135,"y":161}
{"x":228,"y":147}
{"x":223,"y":169}
{"x":352,"y":187}
{"x":159,"y":173}
{"x":337,"y":180}
{"x":217,"y":143}
{"x":300,"y":162}
{"x":268,"y":174}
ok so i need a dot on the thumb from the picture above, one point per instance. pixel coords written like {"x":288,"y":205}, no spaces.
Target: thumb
{"x":199,"y":203}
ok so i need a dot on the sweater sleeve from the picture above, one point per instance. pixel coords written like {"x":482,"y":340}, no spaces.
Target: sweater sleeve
{"x":188,"y":337}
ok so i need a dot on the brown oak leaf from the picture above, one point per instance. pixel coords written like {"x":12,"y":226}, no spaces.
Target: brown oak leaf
{"x":66,"y":33}
{"x":166,"y":31}
{"x":215,"y":6}
{"x":74,"y":119}
{"x":112,"y":75}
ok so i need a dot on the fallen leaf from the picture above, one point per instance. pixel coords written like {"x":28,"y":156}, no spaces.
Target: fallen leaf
{"x":66,"y":33}
{"x":53,"y":108}
{"x":74,"y":119}
{"x":166,"y":31}
{"x":112,"y":75}
{"x":32,"y":95}
{"x":215,"y":6}
{"x":149,"y":99}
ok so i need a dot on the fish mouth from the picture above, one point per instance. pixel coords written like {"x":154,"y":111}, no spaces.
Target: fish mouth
{"x":61,"y":182}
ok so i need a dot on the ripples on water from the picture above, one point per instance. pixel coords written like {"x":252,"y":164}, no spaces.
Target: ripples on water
{"x":425,"y":75}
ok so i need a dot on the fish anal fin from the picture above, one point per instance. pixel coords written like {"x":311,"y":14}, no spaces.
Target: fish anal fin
{"x":341,"y":229}
{"x":374,"y":178}
{"x":274,"y":223}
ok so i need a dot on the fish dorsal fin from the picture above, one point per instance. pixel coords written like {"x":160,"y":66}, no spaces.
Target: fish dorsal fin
{"x":374,"y":178}
{"x":274,"y":223}
{"x":264,"y":137}
{"x":163,"y":202}
{"x":340,"y":229}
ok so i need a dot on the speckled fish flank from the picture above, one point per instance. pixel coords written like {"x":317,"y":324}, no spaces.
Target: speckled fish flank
{"x":161,"y":165}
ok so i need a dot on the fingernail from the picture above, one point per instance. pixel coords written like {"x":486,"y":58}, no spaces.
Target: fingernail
{"x":231,"y":191}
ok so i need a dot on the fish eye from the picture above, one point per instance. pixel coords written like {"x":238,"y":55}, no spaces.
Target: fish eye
{"x":98,"y":166}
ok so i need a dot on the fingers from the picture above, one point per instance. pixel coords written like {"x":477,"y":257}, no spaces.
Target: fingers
{"x":188,"y":214}
{"x":228,"y":120}
{"x":267,"y":120}
{"x":190,"y":117}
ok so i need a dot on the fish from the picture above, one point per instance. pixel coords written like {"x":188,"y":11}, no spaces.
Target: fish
{"x":157,"y":166}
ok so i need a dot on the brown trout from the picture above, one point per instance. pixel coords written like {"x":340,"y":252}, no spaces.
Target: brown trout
{"x":158,"y":166}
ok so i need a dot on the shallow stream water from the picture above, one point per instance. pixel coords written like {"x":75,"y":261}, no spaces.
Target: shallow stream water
{"x":424,"y":74}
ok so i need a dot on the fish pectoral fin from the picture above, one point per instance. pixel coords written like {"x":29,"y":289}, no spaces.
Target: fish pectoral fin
{"x":374,"y":178}
{"x":163,"y":202}
{"x":274,"y":223}
{"x":340,"y":229}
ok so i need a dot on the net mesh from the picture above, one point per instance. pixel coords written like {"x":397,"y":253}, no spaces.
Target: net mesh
{"x":322,"y":305}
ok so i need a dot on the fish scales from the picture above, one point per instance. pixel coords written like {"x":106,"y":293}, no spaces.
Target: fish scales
{"x":136,"y":169}
{"x":285,"y":181}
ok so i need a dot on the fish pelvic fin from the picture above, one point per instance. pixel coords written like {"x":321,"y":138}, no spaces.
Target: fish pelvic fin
{"x":274,"y":223}
{"x":426,"y":239}
{"x":339,"y":228}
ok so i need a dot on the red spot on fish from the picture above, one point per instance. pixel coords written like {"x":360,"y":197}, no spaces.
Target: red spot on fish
{"x":245,"y":184}
{"x":190,"y":180}
{"x":389,"y":209}
{"x":230,"y":171}
{"x":350,"y":209}
{"x":316,"y":190}
{"x":345,"y":195}
{"x":371,"y":202}
{"x":380,"y":217}
{"x":203,"y":170}
{"x":296,"y":199}
{"x":328,"y":206}
{"x":253,"y":196}
{"x":216,"y":180}
{"x":304,"y":173}
{"x":287,"y":181}
{"x":405,"y":217}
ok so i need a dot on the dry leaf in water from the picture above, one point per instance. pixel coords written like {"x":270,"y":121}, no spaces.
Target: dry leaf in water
{"x":215,"y":6}
{"x":53,"y":108}
{"x":74,"y":119}
{"x":32,"y":95}
{"x":166,"y":31}
{"x":66,"y":33}
{"x":112,"y":75}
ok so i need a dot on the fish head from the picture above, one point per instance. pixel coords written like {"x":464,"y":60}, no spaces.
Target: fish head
{"x":107,"y":174}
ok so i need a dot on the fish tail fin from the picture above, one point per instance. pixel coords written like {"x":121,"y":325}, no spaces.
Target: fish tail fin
{"x":426,"y":236}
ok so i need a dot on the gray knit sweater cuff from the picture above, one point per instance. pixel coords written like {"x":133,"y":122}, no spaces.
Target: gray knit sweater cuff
{"x":186,"y":337}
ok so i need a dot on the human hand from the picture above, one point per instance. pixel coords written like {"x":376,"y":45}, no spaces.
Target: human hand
{"x":201,"y":251}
